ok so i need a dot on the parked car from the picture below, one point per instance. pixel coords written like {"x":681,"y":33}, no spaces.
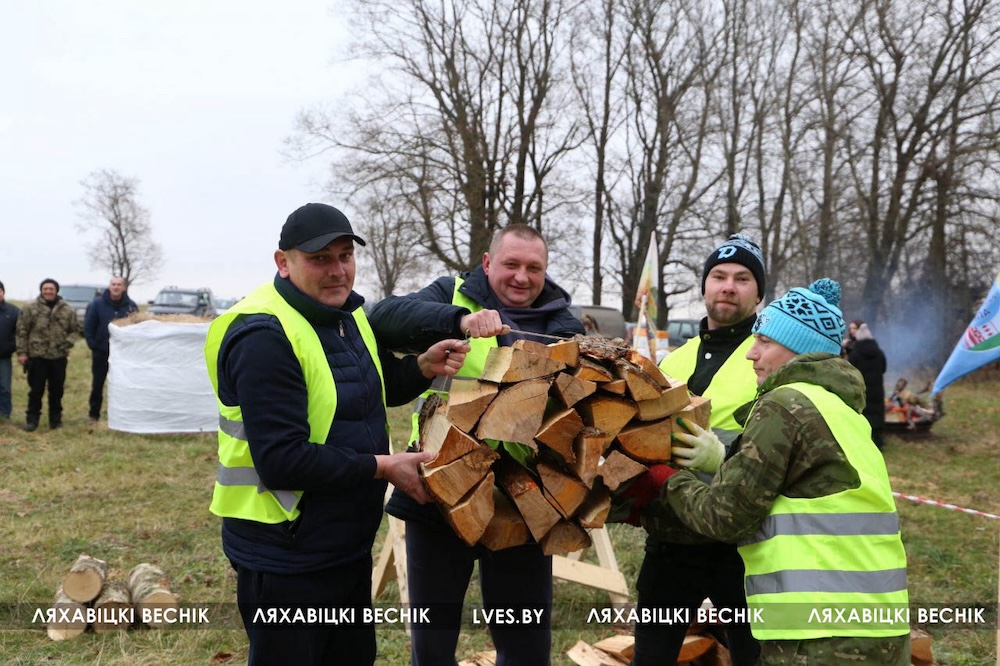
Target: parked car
{"x":610,"y":322}
{"x":79,"y":296}
{"x":223,"y":304}
{"x":682,"y":330}
{"x":178,"y":300}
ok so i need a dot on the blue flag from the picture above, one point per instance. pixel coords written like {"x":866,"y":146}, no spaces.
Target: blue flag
{"x":979,"y":345}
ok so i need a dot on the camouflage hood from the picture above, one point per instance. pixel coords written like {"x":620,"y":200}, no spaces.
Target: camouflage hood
{"x":831,"y":372}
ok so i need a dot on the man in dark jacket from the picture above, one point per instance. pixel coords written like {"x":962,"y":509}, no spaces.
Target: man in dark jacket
{"x":8,"y":334}
{"x":508,"y":292}
{"x":868,"y":358}
{"x":46,"y":332}
{"x":113,"y":304}
{"x":304,"y":458}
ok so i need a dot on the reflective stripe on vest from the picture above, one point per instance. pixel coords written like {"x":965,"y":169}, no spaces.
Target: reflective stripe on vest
{"x":471,"y":369}
{"x":843,"y":549}
{"x":734,"y":384}
{"x":238,"y":491}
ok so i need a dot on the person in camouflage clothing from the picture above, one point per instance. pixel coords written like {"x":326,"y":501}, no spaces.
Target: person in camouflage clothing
{"x":46,"y":331}
{"x":806,"y":495}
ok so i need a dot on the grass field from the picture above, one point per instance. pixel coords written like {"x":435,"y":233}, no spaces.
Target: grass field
{"x":132,"y":498}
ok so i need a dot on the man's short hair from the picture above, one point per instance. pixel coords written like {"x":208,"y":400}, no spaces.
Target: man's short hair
{"x":522,"y":231}
{"x":48,"y":281}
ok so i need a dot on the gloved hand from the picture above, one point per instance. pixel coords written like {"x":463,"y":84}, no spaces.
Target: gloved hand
{"x":704,"y":450}
{"x":628,"y":503}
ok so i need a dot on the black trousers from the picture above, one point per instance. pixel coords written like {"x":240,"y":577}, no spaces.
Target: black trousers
{"x":677,"y":576}
{"x":99,"y":373}
{"x":439,"y":567}
{"x":263,"y":597}
{"x":42,"y":371}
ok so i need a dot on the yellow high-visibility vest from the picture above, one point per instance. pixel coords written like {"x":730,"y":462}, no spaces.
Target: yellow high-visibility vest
{"x":734,"y":385}
{"x":238,"y":491}
{"x":843,"y":550}
{"x":471,"y":369}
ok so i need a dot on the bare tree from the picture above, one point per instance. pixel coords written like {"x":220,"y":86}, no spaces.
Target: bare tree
{"x":469,"y":118}
{"x":125,"y":245}
{"x":669,"y":65}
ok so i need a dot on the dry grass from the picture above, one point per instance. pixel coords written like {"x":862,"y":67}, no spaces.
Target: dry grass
{"x":133,"y":498}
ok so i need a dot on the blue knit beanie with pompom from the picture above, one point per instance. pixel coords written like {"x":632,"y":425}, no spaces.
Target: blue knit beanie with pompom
{"x":805,"y":320}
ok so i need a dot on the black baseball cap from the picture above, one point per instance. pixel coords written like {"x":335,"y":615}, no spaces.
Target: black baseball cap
{"x":312,"y":227}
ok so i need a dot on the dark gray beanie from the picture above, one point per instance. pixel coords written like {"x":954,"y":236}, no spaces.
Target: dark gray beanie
{"x":738,"y":249}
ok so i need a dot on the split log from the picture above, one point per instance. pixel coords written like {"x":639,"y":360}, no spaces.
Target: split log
{"x":565,"y":537}
{"x":71,"y":619}
{"x":558,"y":431}
{"x":564,"y":492}
{"x":567,"y":351}
{"x":473,"y":512}
{"x":593,"y":513}
{"x":593,"y":372}
{"x":616,"y":387}
{"x":587,"y":449}
{"x":467,"y":401}
{"x":618,"y":468}
{"x":113,"y":609}
{"x":507,"y":365}
{"x":533,"y":346}
{"x":920,"y":647}
{"x":450,"y":482}
{"x":649,"y":367}
{"x":647,"y":442}
{"x":149,"y":588}
{"x":583,"y":654}
{"x":606,"y":413}
{"x":442,"y":436}
{"x":672,"y":400}
{"x":524,"y":491}
{"x":694,"y":646}
{"x":85,"y":579}
{"x":699,"y":411}
{"x":571,"y":389}
{"x":640,"y":385}
{"x":506,"y":528}
{"x":621,"y":646}
{"x":516,"y":413}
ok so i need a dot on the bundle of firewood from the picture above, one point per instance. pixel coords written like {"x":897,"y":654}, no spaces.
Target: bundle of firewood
{"x":85,"y":598}
{"x":592,"y":411}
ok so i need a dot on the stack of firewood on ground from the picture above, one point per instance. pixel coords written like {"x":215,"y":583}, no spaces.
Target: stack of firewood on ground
{"x":86,"y":593}
{"x":593,"y":413}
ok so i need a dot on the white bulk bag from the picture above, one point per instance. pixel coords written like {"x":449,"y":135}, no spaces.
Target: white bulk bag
{"x":157,"y":381}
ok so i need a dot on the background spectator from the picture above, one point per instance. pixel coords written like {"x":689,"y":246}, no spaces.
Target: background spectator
{"x":113,"y":304}
{"x":868,"y":358}
{"x":8,"y":332}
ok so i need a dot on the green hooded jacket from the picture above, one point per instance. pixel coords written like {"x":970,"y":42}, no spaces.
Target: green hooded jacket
{"x":47,"y":332}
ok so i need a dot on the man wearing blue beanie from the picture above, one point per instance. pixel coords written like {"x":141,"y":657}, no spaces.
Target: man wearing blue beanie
{"x":806,"y":496}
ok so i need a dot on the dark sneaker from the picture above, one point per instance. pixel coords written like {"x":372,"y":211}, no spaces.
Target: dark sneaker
{"x":54,"y":426}
{"x":94,"y":419}
{"x":30,"y":427}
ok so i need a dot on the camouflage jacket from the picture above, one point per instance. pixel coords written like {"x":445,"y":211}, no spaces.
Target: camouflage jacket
{"x":786,"y":448}
{"x":47,"y":332}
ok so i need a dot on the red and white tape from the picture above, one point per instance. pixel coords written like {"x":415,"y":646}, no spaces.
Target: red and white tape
{"x":924,"y":500}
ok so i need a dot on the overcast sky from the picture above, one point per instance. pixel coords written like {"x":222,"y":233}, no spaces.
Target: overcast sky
{"x":191,"y":97}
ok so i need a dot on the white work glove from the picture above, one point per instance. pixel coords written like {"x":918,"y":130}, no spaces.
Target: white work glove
{"x":704,"y":450}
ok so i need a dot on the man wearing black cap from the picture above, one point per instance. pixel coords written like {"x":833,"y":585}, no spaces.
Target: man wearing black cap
{"x":681,"y":568}
{"x":304,"y":460}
